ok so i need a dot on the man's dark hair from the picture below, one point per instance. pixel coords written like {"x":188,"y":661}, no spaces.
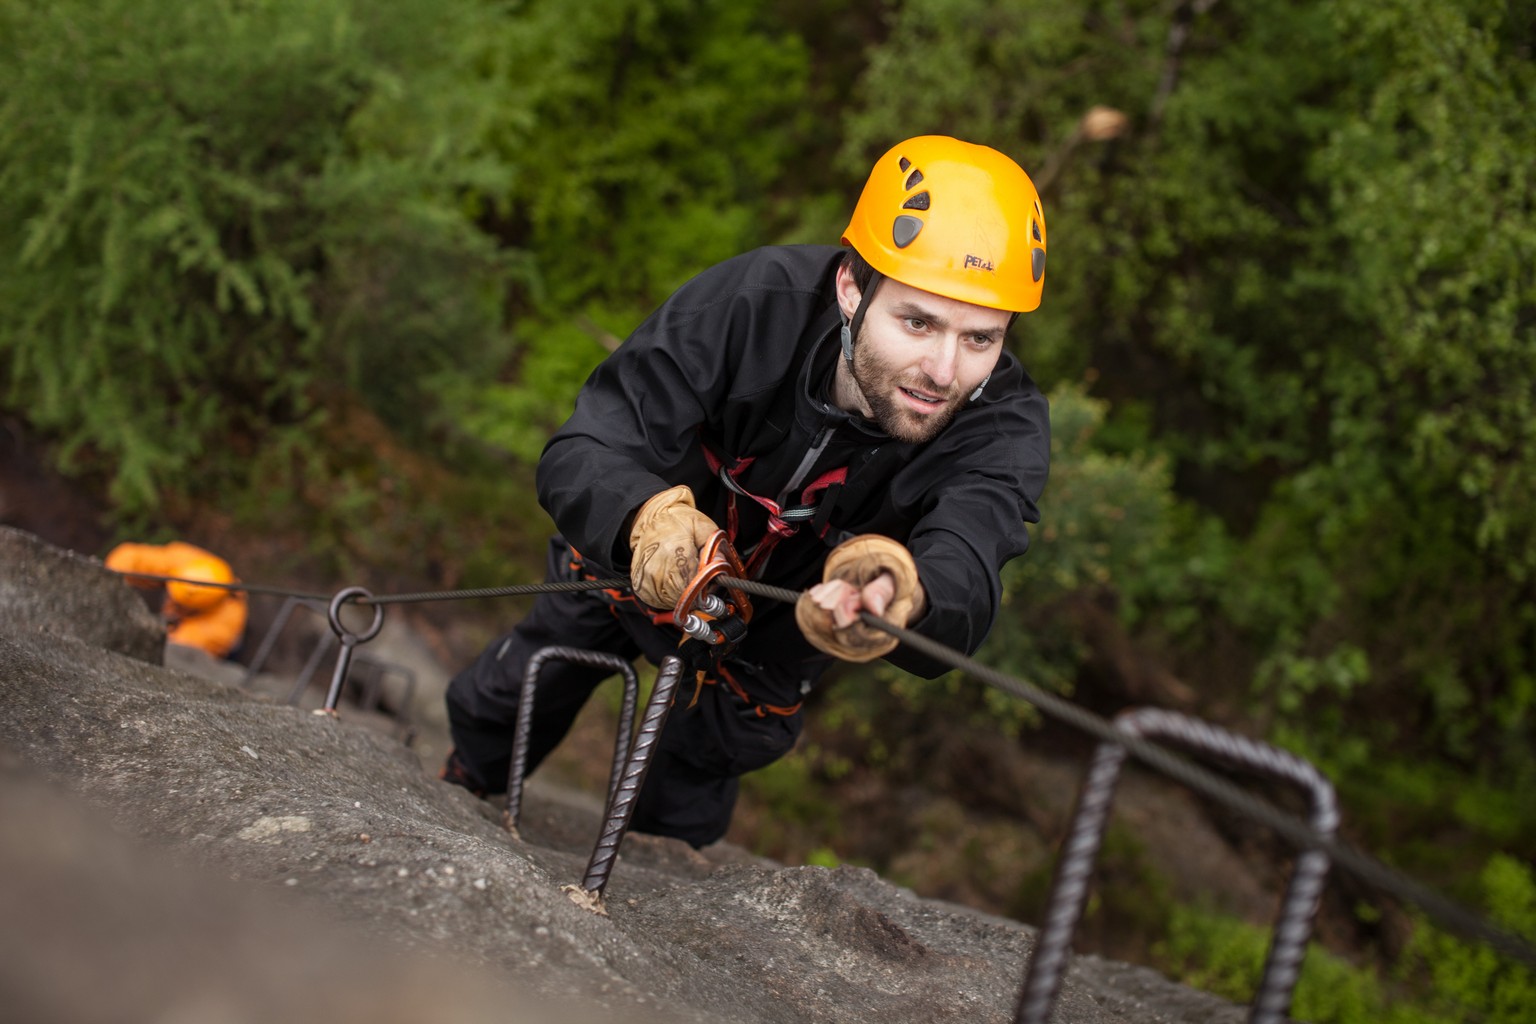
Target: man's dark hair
{"x":859,"y":267}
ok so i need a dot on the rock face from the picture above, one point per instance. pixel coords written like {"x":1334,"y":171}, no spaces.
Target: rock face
{"x":49,"y":591}
{"x":199,"y":852}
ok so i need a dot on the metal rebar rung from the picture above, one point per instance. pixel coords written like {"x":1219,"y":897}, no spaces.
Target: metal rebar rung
{"x":279,"y":621}
{"x":1069,"y":889}
{"x":523,"y":727}
{"x":621,"y":802}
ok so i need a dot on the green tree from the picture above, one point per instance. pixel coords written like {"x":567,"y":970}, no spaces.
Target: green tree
{"x":1426,"y":501}
{"x":1438,"y":979}
{"x":215,"y":213}
{"x":1305,"y":273}
{"x":650,"y":139}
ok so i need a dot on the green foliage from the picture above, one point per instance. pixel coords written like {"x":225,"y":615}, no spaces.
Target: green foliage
{"x":646,"y":138}
{"x":1433,"y":195}
{"x":1307,"y":271}
{"x":647,"y":135}
{"x":791,"y":807}
{"x":1418,"y":522}
{"x":1439,"y":979}
{"x":1293,"y":678}
{"x":1005,"y":72}
{"x":517,"y":417}
{"x":1430,"y":817}
{"x":1225,"y":956}
{"x":823,"y":857}
{"x":1467,"y":975}
{"x":214,"y":213}
{"x":1112,"y":529}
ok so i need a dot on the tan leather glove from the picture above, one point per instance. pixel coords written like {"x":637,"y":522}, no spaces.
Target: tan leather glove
{"x":858,"y":562}
{"x":665,"y":540}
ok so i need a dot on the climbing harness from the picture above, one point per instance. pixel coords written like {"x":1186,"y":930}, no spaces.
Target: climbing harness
{"x":816,"y":503}
{"x":846,"y":485}
{"x":712,"y":623}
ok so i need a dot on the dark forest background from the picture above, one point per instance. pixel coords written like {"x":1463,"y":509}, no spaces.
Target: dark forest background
{"x":332,"y":270}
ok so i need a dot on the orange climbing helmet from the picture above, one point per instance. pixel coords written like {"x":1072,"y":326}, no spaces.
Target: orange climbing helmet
{"x":956,"y":219}
{"x":190,"y":596}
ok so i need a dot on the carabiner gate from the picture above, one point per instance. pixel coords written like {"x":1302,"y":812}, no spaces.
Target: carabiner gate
{"x":696,"y":608}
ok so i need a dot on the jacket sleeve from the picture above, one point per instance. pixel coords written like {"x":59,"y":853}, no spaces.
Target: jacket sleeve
{"x":636,"y":416}
{"x":974,"y":518}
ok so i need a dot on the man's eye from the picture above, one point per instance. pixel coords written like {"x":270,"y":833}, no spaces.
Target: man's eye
{"x":917,"y":323}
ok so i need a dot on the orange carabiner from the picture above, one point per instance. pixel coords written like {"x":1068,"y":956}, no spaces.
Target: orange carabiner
{"x":717,"y":558}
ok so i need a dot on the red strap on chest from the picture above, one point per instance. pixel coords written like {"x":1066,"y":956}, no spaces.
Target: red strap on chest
{"x":782,"y":522}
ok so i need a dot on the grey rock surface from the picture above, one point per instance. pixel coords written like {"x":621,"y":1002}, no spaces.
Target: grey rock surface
{"x":47,"y":590}
{"x":210,"y":828}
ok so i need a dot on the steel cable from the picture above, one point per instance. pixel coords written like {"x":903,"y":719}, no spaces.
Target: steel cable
{"x":1365,"y":868}
{"x":516,"y":590}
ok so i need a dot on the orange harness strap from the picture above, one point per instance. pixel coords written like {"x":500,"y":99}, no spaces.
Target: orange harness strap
{"x":702,"y":680}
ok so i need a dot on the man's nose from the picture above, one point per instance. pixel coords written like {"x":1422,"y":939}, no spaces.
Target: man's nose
{"x":941,"y":361}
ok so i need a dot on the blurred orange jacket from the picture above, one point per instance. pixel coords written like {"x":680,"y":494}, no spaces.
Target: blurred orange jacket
{"x":208,"y":618}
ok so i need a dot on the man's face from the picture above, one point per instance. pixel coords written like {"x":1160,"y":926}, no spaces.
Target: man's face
{"x":917,"y":358}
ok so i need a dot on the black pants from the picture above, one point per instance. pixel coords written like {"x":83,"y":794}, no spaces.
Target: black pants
{"x":706,"y":745}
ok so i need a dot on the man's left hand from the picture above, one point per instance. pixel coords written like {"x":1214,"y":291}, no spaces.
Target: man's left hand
{"x":666,"y":538}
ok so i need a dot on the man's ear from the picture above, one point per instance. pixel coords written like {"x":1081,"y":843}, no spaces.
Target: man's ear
{"x":848,"y":294}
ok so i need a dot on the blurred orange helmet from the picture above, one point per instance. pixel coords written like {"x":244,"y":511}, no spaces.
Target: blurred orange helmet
{"x":955,"y":219}
{"x":192,"y":597}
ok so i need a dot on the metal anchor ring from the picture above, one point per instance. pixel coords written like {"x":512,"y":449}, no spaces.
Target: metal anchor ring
{"x":334,"y":614}
{"x":349,"y":640}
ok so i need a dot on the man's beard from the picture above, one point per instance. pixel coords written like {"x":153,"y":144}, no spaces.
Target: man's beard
{"x":878,"y":382}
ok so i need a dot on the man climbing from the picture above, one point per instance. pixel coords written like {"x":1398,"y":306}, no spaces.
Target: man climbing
{"x":211,"y":619}
{"x":850,"y":416}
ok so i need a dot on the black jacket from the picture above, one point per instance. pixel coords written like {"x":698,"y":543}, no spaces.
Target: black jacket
{"x":741,"y":358}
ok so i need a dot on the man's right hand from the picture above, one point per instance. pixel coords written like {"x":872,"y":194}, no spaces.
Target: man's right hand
{"x":665,"y":540}
{"x":867,"y":573}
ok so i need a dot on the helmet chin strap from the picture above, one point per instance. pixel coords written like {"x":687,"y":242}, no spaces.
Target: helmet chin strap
{"x":850,"y":329}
